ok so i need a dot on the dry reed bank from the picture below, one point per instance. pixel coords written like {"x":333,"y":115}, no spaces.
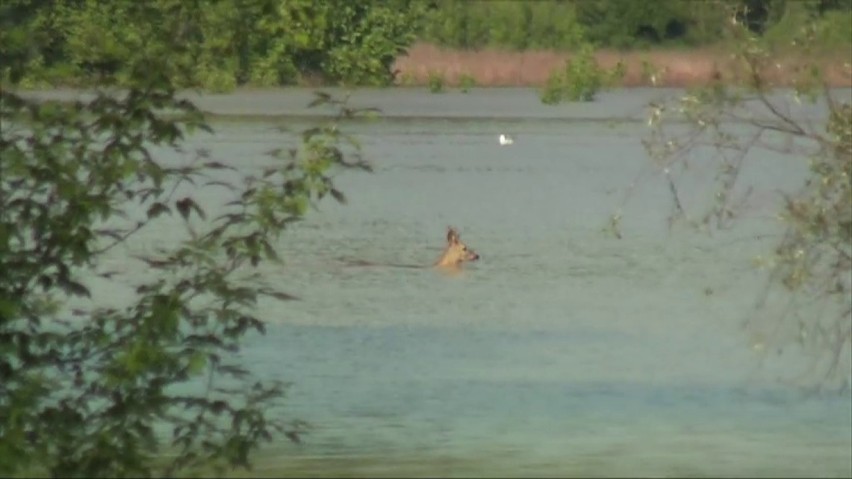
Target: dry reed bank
{"x":675,"y":68}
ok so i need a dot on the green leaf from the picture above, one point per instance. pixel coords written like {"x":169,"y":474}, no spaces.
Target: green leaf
{"x":338,"y":195}
{"x":186,"y":205}
{"x":215,"y":165}
{"x":157,"y":209}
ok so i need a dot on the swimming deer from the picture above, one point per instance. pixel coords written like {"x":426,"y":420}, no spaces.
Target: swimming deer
{"x":456,"y":253}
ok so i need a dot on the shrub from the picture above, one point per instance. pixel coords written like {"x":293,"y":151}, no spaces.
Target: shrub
{"x":466,"y":82}
{"x":436,"y":82}
{"x":580,"y":79}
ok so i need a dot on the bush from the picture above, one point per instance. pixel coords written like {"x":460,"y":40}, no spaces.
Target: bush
{"x":466,"y":82}
{"x":810,"y":268}
{"x":267,"y":41}
{"x":86,"y":388}
{"x":436,"y":82}
{"x":580,"y":79}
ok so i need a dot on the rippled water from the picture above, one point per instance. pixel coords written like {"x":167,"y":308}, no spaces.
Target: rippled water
{"x":564,"y":351}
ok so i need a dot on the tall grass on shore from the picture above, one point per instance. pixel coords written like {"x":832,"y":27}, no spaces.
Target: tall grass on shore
{"x":670,"y":67}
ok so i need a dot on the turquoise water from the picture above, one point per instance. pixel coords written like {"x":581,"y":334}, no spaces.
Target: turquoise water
{"x":564,"y":351}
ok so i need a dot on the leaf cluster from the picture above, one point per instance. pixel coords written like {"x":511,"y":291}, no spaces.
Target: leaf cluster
{"x":153,"y":386}
{"x":812,"y":262}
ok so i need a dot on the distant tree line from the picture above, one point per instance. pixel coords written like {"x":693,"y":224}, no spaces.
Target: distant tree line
{"x":283,"y":42}
{"x":225,"y":42}
{"x":565,"y":24}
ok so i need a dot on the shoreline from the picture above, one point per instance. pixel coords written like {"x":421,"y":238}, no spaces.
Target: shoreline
{"x":415,"y":104}
{"x":672,"y":68}
{"x":495,"y":68}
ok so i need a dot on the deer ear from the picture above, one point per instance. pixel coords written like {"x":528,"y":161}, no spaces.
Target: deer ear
{"x":452,"y":235}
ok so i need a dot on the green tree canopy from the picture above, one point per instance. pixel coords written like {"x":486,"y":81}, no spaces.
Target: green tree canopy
{"x":811,"y":265}
{"x":222,"y":43}
{"x":567,"y":24}
{"x":150,"y":386}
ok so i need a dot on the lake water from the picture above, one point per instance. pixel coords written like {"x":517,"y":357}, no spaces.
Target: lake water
{"x":564,"y":351}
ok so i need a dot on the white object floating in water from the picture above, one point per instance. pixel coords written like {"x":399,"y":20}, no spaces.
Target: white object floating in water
{"x":506,"y":140}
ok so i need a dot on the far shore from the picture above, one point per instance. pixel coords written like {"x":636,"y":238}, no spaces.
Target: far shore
{"x":663,"y":68}
{"x":659,"y":67}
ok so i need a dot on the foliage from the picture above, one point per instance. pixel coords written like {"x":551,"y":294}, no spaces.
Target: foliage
{"x":405,"y":79}
{"x":832,"y":28}
{"x":651,"y":73}
{"x":552,"y":92}
{"x":812,"y":262}
{"x":566,"y":24}
{"x":227,"y":42}
{"x":368,"y":38}
{"x":149,"y":385}
{"x":511,"y":24}
{"x":466,"y":82}
{"x":622,"y":24}
{"x":436,"y":82}
{"x":84,"y":388}
{"x":580,"y":79}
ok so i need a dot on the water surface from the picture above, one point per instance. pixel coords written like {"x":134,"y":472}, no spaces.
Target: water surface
{"x":564,"y":351}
